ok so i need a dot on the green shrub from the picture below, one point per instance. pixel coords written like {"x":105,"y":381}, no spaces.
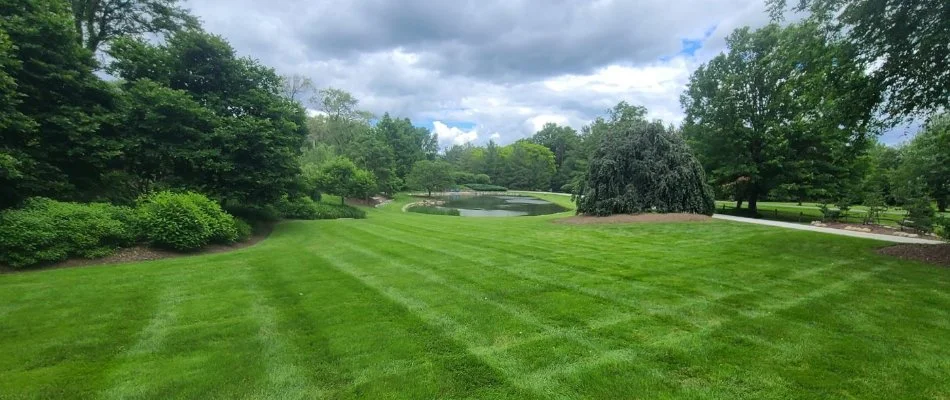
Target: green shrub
{"x":920,"y":214}
{"x":304,"y":208}
{"x":485,"y":188}
{"x":462,"y":177}
{"x":184,"y":221}
{"x":297,"y":208}
{"x":255,"y":213}
{"x":336,"y":211}
{"x":45,"y":231}
{"x":244,"y":229}
{"x":434,"y":210}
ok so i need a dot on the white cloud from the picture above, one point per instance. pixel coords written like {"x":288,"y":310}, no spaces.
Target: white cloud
{"x":537,"y":122}
{"x":506,"y":67}
{"x":449,"y":136}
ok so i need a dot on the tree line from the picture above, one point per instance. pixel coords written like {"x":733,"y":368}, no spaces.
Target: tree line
{"x":791,"y":111}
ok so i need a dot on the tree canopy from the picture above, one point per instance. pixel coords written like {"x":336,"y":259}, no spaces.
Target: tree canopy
{"x":57,"y":134}
{"x":97,"y":22}
{"x":784,"y":108}
{"x":237,"y":138}
{"x":430,"y":176}
{"x":927,"y":160}
{"x":903,"y":42}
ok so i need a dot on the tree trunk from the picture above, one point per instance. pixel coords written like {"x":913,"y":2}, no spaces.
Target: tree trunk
{"x":942,"y":204}
{"x":753,"y":199}
{"x":738,"y":203}
{"x":430,"y":192}
{"x":342,"y":201}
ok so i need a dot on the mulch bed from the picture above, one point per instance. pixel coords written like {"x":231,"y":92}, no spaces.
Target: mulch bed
{"x":632,"y":218}
{"x":937,"y":254}
{"x":143,"y":253}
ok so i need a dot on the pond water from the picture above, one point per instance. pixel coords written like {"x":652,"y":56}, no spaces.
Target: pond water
{"x":500,"y":205}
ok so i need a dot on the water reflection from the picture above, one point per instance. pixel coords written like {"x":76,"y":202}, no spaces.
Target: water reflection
{"x":500,"y":205}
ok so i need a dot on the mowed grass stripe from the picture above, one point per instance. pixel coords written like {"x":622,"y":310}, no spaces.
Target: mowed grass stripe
{"x":418,"y":306}
{"x":544,"y":376}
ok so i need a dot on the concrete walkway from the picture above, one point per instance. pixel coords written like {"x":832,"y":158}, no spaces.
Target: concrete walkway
{"x":842,"y":232}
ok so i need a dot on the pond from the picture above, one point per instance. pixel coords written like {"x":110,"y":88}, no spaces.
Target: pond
{"x":500,"y":205}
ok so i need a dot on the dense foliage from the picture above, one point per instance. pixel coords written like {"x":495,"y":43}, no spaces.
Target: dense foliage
{"x":903,"y":43}
{"x":184,"y":221}
{"x":343,"y":178}
{"x":431,"y":176}
{"x":643,"y":167}
{"x":58,"y":129}
{"x":45,"y":231}
{"x":485,"y":188}
{"x":304,"y":207}
{"x":238,"y":138}
{"x":927,"y":160}
{"x":100,"y":21}
{"x":783,"y":109}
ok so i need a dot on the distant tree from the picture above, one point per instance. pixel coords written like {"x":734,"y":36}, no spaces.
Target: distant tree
{"x":430,"y":176}
{"x":903,"y":42}
{"x":343,"y":178}
{"x":880,"y":181}
{"x":927,"y":159}
{"x":97,"y":22}
{"x":782,"y":106}
{"x":643,"y":167}
{"x":296,"y":86}
{"x":56,"y":115}
{"x":340,"y":105}
{"x":369,"y":151}
{"x":527,"y":166}
{"x":410,"y":144}
{"x":565,"y":143}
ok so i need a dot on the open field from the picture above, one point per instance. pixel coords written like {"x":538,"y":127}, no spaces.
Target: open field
{"x":404,"y":305}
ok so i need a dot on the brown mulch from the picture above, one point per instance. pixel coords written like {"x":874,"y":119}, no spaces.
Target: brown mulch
{"x":143,"y":253}
{"x":937,"y":254}
{"x":632,"y":218}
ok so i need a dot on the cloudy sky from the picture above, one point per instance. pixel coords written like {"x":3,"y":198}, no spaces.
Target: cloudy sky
{"x":479,"y":70}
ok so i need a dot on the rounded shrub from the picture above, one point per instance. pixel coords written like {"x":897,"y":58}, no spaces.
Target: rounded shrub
{"x":184,"y":221}
{"x":301,"y":207}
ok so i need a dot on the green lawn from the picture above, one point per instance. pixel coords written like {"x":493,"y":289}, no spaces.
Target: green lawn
{"x":807,"y":212}
{"x":415,"y":306}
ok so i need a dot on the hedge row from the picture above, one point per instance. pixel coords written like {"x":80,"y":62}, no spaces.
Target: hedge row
{"x":485,"y":188}
{"x":46,"y":231}
{"x":305,"y":208}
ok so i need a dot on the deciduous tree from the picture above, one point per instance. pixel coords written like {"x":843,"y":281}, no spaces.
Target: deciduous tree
{"x":97,"y":22}
{"x":430,"y":176}
{"x":784,"y":105}
{"x":904,"y":43}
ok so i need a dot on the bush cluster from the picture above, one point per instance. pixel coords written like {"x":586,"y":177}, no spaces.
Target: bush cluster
{"x":481,"y":187}
{"x":184,"y":221}
{"x":45,"y":231}
{"x":304,"y":207}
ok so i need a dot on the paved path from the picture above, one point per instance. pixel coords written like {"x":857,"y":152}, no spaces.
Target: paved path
{"x":865,"y":235}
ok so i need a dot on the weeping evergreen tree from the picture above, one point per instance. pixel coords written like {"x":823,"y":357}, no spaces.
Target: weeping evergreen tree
{"x":643,"y":167}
